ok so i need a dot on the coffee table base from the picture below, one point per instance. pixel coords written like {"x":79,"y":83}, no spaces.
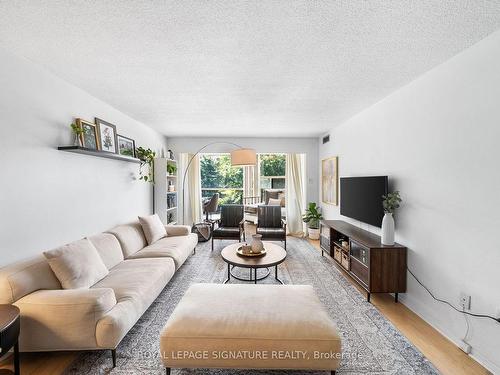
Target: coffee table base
{"x":254,"y":270}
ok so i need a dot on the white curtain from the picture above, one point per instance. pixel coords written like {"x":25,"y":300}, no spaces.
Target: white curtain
{"x":295,"y":193}
{"x":251,"y":182}
{"x":192,"y":211}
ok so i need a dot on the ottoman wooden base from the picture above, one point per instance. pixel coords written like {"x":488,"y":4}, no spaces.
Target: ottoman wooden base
{"x":250,"y":327}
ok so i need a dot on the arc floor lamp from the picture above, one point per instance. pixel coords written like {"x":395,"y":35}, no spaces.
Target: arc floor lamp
{"x":240,"y":157}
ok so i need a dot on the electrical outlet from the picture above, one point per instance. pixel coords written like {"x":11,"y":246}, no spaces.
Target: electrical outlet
{"x":464,"y":301}
{"x":466,"y":348}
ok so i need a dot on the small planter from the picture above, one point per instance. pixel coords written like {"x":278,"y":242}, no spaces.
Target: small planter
{"x":313,"y":233}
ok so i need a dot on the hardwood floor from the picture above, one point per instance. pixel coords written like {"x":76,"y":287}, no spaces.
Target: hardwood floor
{"x":447,"y":358}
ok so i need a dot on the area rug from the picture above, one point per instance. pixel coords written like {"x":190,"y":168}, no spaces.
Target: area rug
{"x":370,"y":343}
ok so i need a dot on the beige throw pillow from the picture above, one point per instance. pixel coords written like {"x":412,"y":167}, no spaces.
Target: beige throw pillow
{"x":274,"y":202}
{"x":77,"y":265}
{"x":281,"y":197}
{"x":153,"y":228}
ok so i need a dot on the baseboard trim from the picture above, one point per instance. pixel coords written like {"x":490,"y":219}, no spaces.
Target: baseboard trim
{"x":426,"y":315}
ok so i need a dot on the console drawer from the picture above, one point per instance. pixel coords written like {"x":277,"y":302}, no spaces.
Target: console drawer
{"x":360,"y":271}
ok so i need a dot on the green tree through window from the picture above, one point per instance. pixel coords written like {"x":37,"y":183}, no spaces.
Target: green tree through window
{"x":272,"y":164}
{"x":218,"y":176}
{"x":272,"y":171}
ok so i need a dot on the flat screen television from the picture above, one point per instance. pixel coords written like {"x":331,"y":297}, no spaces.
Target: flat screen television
{"x":361,"y":198}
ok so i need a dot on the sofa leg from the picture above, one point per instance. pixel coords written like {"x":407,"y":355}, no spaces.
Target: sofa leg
{"x":167,"y":371}
{"x":212,"y":243}
{"x":113,"y":357}
{"x":194,"y":250}
{"x":333,"y":372}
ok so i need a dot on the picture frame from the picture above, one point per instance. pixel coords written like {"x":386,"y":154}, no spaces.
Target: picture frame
{"x":330,"y":180}
{"x":106,"y":131}
{"x":126,"y":146}
{"x":88,"y":138}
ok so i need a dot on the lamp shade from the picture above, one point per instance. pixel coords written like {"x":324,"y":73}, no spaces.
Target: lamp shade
{"x":242,"y":157}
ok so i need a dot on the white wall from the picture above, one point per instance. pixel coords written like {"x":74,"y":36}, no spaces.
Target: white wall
{"x":308,"y":146}
{"x":49,"y":197}
{"x":438,"y":139}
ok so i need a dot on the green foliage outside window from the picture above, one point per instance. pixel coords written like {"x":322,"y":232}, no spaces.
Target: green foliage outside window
{"x":217,"y":173}
{"x":218,"y":176}
{"x":272,"y":164}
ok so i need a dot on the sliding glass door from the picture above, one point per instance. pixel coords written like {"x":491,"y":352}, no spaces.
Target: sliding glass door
{"x":218,"y":176}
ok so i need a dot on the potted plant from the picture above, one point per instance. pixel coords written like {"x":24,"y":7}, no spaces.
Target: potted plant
{"x":171,"y":169}
{"x":77,"y":131}
{"x":390,"y":202}
{"x":312,"y":218}
{"x":146,"y":156}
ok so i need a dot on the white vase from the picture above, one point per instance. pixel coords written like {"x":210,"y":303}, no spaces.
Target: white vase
{"x":257,"y":245}
{"x":388,"y":229}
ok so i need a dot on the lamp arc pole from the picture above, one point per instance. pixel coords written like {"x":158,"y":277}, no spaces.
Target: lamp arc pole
{"x":189,"y":164}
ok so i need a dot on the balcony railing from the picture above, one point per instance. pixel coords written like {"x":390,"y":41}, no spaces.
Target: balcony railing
{"x":226,"y":195}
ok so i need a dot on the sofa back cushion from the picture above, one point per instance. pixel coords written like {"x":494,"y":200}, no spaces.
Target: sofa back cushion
{"x":77,"y":264}
{"x":130,"y":236}
{"x":22,"y":278}
{"x":153,"y":228}
{"x":108,"y":247}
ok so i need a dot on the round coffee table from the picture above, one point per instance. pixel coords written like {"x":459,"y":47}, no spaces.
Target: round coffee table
{"x":274,"y":255}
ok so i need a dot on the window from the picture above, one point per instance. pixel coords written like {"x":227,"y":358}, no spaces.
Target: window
{"x":272,"y":171}
{"x":218,"y":176}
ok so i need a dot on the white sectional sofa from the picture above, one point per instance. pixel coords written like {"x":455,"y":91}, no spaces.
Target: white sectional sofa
{"x":97,"y":317}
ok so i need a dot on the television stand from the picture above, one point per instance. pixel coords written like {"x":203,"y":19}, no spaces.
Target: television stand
{"x":375,"y":267}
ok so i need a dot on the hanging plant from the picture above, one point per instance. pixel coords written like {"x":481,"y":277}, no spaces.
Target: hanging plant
{"x":146,"y":156}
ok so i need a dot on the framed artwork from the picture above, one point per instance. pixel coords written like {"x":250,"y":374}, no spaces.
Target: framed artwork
{"x":107,"y":136}
{"x":126,"y":146}
{"x":330,"y":180}
{"x":88,"y":138}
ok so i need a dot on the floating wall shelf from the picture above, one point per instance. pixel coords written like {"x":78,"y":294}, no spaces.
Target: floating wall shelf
{"x":98,"y":153}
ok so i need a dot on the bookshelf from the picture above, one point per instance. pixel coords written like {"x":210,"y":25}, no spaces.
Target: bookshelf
{"x":166,"y":190}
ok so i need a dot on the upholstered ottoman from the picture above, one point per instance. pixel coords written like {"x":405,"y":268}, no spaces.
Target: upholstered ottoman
{"x":242,"y":326}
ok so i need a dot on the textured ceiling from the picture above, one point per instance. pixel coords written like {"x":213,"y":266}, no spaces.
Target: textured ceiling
{"x":242,"y":68}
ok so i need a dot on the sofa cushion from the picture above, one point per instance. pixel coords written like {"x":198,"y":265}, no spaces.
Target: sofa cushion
{"x":136,"y":283}
{"x":176,"y":247}
{"x":77,"y":264}
{"x":282,"y":199}
{"x":130,"y":236}
{"x":274,"y":202}
{"x":108,"y":247}
{"x":177,"y":230}
{"x":153,"y":228}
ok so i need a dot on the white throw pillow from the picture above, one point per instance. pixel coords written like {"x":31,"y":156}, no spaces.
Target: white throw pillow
{"x":153,"y":228}
{"x":77,"y":265}
{"x":274,"y":202}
